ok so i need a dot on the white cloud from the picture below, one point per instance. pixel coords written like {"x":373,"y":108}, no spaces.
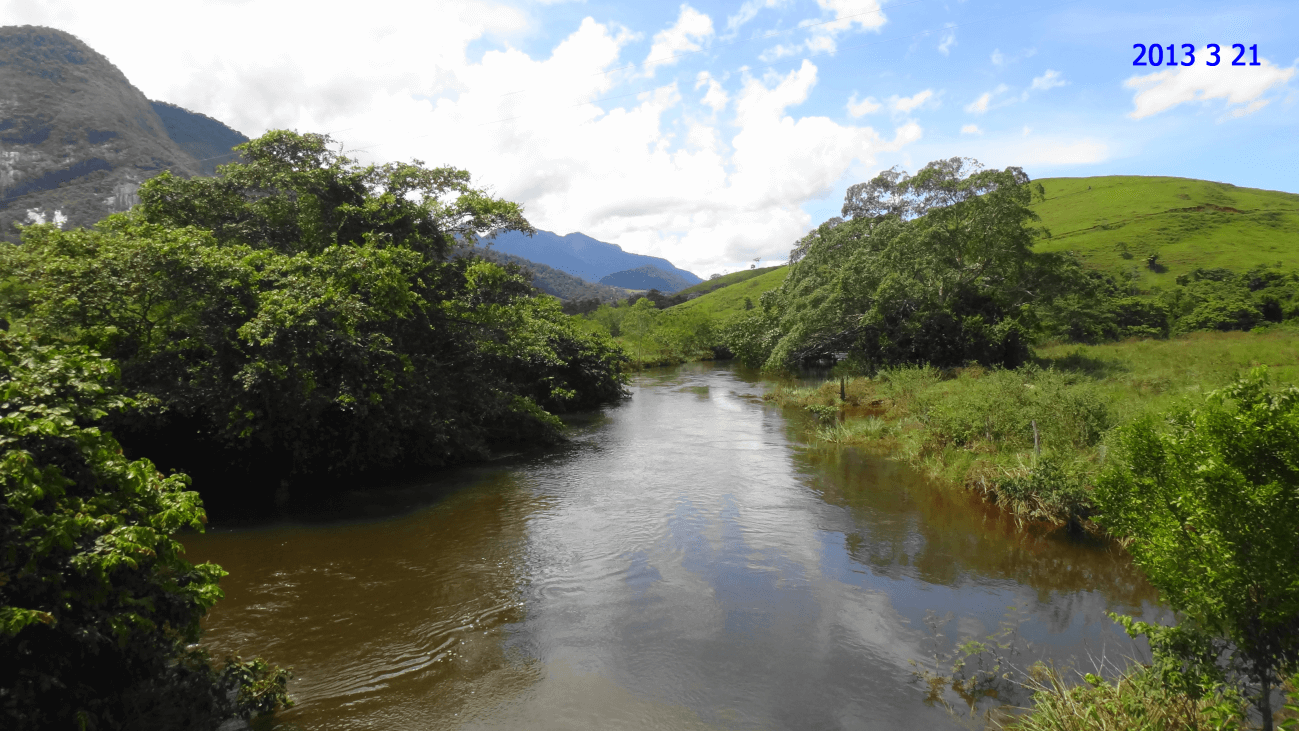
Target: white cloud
{"x":847,"y":16}
{"x":971,"y":129}
{"x":710,"y":174}
{"x":749,"y":10}
{"x":949,"y":40}
{"x":984,"y":102}
{"x":1241,"y":88}
{"x":1000,"y":59}
{"x":716,"y":97}
{"x":691,"y":27}
{"x":852,"y":13}
{"x":863,"y":107}
{"x":1049,"y":80}
{"x":904,"y":105}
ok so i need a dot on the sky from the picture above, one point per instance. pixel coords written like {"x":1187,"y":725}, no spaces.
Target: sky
{"x":715,"y":134}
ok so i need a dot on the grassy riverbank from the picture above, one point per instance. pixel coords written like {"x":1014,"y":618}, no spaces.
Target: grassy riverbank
{"x":975,"y":426}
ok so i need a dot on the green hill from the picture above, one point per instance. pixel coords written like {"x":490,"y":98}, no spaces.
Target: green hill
{"x":729,"y":300}
{"x":1188,"y":223}
{"x":727,"y":280}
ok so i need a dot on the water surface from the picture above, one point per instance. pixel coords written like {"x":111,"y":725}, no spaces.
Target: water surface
{"x":688,"y":562}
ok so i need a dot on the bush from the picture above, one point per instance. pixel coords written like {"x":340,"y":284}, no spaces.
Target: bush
{"x":97,"y":606}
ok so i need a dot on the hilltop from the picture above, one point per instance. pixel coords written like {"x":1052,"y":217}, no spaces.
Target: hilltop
{"x":77,"y":138}
{"x":728,"y":300}
{"x":1115,"y":222}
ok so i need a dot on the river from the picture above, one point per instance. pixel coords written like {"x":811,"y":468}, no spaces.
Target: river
{"x":687,"y":562}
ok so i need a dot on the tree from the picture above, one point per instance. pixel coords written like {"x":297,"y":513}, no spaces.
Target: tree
{"x":301,"y":315}
{"x":97,"y":604}
{"x":1209,"y":501}
{"x":638,"y":323}
{"x":932,"y":268}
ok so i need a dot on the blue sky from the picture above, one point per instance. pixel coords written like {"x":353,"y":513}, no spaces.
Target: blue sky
{"x":714,"y":133}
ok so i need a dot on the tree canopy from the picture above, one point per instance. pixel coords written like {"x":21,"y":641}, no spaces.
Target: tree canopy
{"x":300,"y":314}
{"x":935,"y":267}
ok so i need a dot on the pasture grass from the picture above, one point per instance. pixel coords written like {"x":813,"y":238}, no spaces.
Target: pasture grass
{"x":1114,"y":222}
{"x":975,"y":426}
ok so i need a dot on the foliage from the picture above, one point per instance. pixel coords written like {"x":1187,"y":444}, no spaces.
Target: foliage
{"x":97,"y":605}
{"x":1136,"y":700}
{"x":1208,"y":501}
{"x":301,"y":315}
{"x":971,"y":426}
{"x":990,"y":672}
{"x":932,"y":268}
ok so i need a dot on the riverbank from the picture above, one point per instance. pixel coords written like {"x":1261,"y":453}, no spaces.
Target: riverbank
{"x":1033,"y":439}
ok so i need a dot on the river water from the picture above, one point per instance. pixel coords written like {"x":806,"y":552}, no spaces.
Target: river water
{"x":687,"y":562}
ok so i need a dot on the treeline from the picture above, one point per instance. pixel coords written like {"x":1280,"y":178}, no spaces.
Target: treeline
{"x":939,"y":268}
{"x":296,"y":317}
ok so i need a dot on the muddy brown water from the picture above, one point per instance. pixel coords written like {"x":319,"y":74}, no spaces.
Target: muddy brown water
{"x":688,"y":562}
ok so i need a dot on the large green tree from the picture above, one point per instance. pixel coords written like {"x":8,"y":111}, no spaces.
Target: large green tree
{"x":1209,"y":499}
{"x":301,"y":314}
{"x":97,"y":604}
{"x":935,"y":267}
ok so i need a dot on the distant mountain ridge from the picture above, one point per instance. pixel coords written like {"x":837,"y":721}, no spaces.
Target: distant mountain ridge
{"x":208,"y":140}
{"x":562,"y":285}
{"x":581,"y":255}
{"x":647,"y":277}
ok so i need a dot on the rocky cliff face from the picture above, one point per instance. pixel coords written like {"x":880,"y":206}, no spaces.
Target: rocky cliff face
{"x":76,"y":138}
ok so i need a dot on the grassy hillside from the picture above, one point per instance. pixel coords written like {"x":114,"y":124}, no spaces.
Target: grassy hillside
{"x":729,"y":300}
{"x":727,"y":280}
{"x":1189,"y":223}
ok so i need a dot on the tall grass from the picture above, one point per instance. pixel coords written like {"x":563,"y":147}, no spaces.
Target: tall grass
{"x":1134,"y":701}
{"x":975,"y":426}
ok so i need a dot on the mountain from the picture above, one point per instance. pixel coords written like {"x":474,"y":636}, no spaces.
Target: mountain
{"x":647,"y":277}
{"x":77,"y":138}
{"x":580,"y":255}
{"x":1116,"y":222}
{"x":204,"y":138}
{"x":554,"y":282}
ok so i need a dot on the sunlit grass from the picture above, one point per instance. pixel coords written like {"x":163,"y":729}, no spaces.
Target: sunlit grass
{"x":1033,"y":439}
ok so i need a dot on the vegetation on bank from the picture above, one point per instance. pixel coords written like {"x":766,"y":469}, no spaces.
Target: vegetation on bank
{"x":300,"y":315}
{"x":1204,"y":496}
{"x":974,"y":426}
{"x":98,"y":608}
{"x":297,"y":316}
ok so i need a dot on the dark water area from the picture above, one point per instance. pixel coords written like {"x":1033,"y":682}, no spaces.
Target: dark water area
{"x":688,"y":562}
